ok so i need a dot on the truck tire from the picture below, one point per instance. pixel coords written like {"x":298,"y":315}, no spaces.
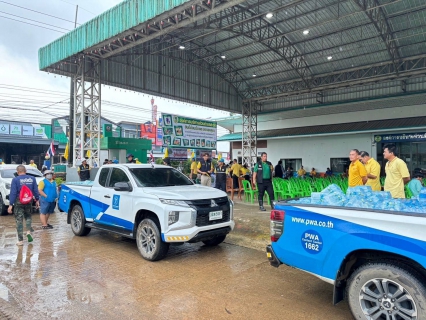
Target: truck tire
{"x":3,"y":208}
{"x":148,"y":239}
{"x":386,"y":291}
{"x":78,"y":222}
{"x":214,"y":241}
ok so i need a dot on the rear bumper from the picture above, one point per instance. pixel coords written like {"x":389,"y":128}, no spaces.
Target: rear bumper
{"x":273,"y":260}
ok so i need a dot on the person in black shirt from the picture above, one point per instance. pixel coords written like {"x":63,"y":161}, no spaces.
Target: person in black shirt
{"x":220,"y":171}
{"x":83,"y":171}
{"x":279,"y":169}
{"x":130,"y":158}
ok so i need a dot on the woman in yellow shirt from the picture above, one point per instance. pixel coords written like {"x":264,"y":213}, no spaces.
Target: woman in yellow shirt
{"x":313,"y":173}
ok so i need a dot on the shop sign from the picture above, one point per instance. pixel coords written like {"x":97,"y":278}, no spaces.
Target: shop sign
{"x":27,"y":130}
{"x":188,"y":132}
{"x":16,"y":129}
{"x":401,"y":137}
{"x":4,"y":128}
{"x":39,"y":132}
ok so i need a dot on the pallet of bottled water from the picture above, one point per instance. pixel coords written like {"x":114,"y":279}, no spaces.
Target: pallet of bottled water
{"x":365,"y":197}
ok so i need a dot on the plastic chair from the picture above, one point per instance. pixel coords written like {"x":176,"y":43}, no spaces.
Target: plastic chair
{"x":408,"y":193}
{"x":249,"y":193}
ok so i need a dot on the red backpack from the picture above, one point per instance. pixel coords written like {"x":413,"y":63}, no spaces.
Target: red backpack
{"x":25,"y":195}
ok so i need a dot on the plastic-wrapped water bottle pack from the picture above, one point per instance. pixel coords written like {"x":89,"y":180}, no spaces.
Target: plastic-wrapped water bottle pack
{"x":365,"y":197}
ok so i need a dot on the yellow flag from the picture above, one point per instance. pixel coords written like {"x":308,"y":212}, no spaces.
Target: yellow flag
{"x":166,"y":153}
{"x":67,"y":150}
{"x":88,"y":153}
{"x":193,"y":155}
{"x":219,"y":156}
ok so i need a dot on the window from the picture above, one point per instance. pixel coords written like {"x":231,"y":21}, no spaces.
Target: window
{"x":103,"y":176}
{"x":159,"y":177}
{"x":117,"y":175}
{"x":338,"y":165}
{"x":11,"y":173}
{"x":293,"y":163}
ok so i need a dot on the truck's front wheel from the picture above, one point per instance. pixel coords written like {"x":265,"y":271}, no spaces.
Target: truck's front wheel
{"x":3,"y":208}
{"x":78,"y":222}
{"x":148,"y":239}
{"x":386,"y":291}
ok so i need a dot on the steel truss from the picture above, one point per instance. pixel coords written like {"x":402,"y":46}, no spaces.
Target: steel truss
{"x":377,"y":16}
{"x":356,"y":76}
{"x":249,"y":137}
{"x":87,"y":111}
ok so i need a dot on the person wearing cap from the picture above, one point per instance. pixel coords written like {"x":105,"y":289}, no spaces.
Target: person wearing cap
{"x":83,"y":171}
{"x":415,"y":184}
{"x":130,"y":158}
{"x":205,"y":168}
{"x":220,"y":172}
{"x":48,"y":196}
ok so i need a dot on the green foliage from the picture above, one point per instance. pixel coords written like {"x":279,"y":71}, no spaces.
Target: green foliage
{"x":59,"y":181}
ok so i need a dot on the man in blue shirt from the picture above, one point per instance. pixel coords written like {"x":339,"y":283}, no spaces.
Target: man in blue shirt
{"x":20,"y":210}
{"x":415,"y":184}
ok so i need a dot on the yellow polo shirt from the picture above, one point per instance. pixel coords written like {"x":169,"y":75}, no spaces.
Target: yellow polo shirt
{"x":236,"y":169}
{"x":301,"y":172}
{"x":373,"y":167}
{"x":356,"y":172}
{"x":395,"y":171}
{"x":194,"y":168}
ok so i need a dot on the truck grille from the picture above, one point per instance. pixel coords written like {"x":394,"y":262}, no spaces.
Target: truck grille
{"x":204,"y":206}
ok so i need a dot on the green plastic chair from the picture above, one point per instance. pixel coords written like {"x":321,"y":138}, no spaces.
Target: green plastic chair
{"x":249,"y":193}
{"x":408,"y":193}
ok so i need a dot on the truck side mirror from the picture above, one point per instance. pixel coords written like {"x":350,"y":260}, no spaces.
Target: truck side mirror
{"x":122,"y":186}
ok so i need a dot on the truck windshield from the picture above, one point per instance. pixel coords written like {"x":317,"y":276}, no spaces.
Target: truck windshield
{"x":159,"y":177}
{"x":12,"y":173}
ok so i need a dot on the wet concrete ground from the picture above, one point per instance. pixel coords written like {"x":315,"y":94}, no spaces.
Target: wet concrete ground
{"x":102,"y":276}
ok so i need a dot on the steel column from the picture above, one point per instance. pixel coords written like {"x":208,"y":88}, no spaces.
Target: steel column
{"x":87,"y":111}
{"x":249,"y":137}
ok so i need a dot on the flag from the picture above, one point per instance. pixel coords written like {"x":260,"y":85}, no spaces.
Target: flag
{"x":193,"y":155}
{"x":67,"y":150}
{"x":219,"y":156}
{"x":151,"y":156}
{"x":88,"y":153}
{"x":166,"y":153}
{"x":51,"y":151}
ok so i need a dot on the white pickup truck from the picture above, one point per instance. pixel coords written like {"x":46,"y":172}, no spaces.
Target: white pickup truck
{"x":7,"y":173}
{"x":154,"y":204}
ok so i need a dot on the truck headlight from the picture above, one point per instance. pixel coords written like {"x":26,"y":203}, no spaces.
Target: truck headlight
{"x":173,"y":217}
{"x":174,"y":202}
{"x":8,"y":185}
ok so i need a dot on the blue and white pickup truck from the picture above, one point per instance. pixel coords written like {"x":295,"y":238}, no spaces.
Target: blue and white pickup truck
{"x":154,"y":204}
{"x":375,"y":259}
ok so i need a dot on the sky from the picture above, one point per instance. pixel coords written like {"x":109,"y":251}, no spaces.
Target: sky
{"x":24,"y":89}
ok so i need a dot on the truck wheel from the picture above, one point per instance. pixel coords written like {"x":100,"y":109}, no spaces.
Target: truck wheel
{"x":78,"y":222}
{"x":214,"y":241}
{"x":386,"y":291}
{"x":3,"y":208}
{"x":148,"y":239}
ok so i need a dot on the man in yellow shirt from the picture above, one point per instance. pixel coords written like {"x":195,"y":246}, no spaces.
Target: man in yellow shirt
{"x":301,"y":172}
{"x":236,"y":173}
{"x":397,"y":174}
{"x":194,"y":170}
{"x":357,"y":172}
{"x":32,"y":164}
{"x":373,"y":171}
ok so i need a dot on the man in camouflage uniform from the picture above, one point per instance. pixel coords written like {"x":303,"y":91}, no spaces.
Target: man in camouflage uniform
{"x":20,"y":210}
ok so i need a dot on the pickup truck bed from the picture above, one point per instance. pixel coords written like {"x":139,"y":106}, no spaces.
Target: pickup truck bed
{"x":369,"y":254}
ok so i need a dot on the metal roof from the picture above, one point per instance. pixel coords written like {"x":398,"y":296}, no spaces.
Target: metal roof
{"x":309,"y":51}
{"x":366,"y":126}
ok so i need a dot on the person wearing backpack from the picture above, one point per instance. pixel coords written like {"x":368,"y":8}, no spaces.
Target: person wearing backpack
{"x":48,"y":196}
{"x":22,"y":191}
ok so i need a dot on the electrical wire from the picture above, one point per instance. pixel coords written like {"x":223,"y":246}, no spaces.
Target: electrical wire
{"x":25,"y":8}
{"x":32,"y":24}
{"x":50,"y":25}
{"x":79,"y":7}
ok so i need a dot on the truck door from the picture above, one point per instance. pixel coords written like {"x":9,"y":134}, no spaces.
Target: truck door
{"x":120,"y":203}
{"x":98,"y":202}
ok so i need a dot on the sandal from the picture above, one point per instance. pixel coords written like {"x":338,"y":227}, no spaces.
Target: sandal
{"x":45,"y":227}
{"x":50,"y":226}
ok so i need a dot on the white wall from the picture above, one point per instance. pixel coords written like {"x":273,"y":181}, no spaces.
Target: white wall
{"x":355,"y":116}
{"x":316,"y":151}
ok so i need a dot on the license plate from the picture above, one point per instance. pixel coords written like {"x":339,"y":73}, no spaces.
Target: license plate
{"x":215,"y":215}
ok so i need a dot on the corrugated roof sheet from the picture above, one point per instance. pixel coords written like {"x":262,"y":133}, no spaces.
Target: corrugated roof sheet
{"x":116,"y":20}
{"x":335,"y":128}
